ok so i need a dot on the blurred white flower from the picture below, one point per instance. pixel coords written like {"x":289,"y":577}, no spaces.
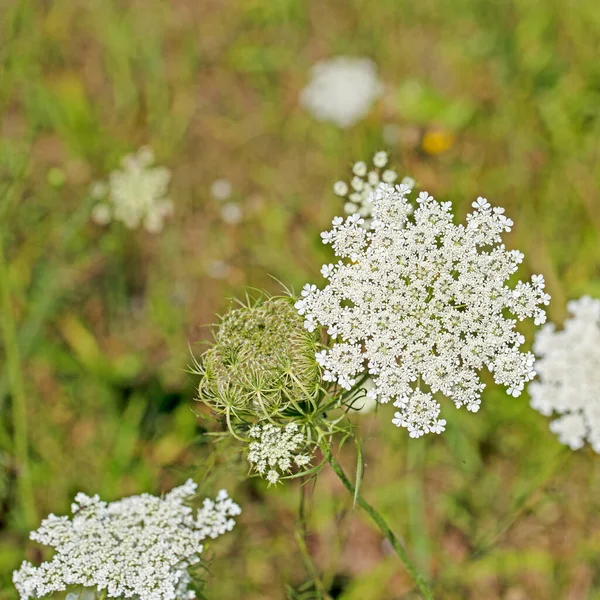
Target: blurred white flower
{"x":231,"y":213}
{"x":101,"y":214}
{"x":135,"y":195}
{"x":221,"y":189}
{"x":341,"y":90}
{"x":218,"y":269}
{"x":569,"y":375}
{"x":340,"y":188}
{"x":364,"y":183}
{"x":276,"y":450}
{"x":408,"y":182}
{"x":380,"y":159}
{"x":141,"y":546}
{"x":421,"y":302}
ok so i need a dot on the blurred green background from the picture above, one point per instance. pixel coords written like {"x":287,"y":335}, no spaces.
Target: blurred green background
{"x":499,"y":99}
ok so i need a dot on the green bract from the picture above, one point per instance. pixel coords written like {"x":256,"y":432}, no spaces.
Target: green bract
{"x":262,"y":363}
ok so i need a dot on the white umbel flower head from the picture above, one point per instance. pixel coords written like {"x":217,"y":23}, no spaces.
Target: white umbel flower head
{"x":277,"y":450}
{"x":341,"y":90}
{"x":364,"y":183}
{"x":141,"y":546}
{"x":569,"y":375}
{"x":420,"y":304}
{"x":136,"y":194}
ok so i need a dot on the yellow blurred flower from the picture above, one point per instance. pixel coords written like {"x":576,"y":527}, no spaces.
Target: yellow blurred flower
{"x":436,"y":141}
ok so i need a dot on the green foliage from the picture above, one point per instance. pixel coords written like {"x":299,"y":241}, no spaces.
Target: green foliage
{"x":103,"y":319}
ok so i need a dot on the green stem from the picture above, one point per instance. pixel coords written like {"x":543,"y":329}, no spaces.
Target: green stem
{"x":302,"y":387}
{"x":415,"y":502}
{"x":19,"y":404}
{"x":300,"y":535}
{"x":230,"y":427}
{"x":385,"y":530}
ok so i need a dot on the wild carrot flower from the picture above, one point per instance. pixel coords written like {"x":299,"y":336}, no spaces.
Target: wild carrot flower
{"x":263,"y":375}
{"x":365,"y":180}
{"x":141,"y":546}
{"x":421,"y":305}
{"x":569,"y":375}
{"x":341,"y":90}
{"x":262,"y":362}
{"x":277,"y":449}
{"x":135,"y":195}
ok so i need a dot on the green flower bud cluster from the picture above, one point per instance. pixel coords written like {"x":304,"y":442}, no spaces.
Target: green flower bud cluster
{"x":262,"y":363}
{"x":263,"y":374}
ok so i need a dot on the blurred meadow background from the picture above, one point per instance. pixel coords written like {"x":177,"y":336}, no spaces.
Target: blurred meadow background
{"x":499,"y":99}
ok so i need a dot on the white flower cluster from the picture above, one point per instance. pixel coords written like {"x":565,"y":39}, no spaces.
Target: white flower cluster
{"x":141,"y":546}
{"x":135,"y":195}
{"x":276,"y":450}
{"x":569,"y":371}
{"x":422,"y":302}
{"x":341,"y":90}
{"x":364,"y":182}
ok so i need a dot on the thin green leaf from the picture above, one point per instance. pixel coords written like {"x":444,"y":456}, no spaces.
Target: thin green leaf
{"x":359,"y":469}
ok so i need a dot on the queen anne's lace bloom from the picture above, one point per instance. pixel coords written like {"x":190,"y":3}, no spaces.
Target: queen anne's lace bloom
{"x":135,"y":195}
{"x":569,"y":370}
{"x":140,"y":547}
{"x":364,"y":182}
{"x":422,"y":302}
{"x":276,"y":450}
{"x":342,"y":90}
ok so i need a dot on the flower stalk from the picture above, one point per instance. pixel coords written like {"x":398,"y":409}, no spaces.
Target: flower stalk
{"x":383,"y":527}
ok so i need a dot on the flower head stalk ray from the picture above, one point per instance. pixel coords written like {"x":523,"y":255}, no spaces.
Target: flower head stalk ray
{"x":420,"y":304}
{"x":569,"y":375}
{"x":136,"y":194}
{"x":142,"y":546}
